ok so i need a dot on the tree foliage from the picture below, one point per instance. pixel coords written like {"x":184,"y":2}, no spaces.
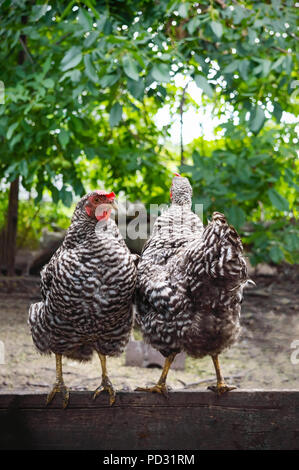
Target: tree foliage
{"x":251,"y":178}
{"x":81,"y":108}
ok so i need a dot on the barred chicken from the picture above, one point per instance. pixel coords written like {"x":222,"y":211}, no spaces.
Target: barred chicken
{"x":87,"y":290}
{"x":190,"y":284}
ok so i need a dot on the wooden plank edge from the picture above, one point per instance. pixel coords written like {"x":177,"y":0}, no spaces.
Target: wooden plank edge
{"x":239,"y":399}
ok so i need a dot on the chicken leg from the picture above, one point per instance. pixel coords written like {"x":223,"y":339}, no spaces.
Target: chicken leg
{"x":221,"y":386}
{"x":59,"y":385}
{"x":106,"y":384}
{"x":161,"y":386}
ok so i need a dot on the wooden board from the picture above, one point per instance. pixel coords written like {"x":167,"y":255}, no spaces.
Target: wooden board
{"x":244,"y":419}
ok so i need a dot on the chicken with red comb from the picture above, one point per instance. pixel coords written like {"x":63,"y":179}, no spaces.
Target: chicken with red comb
{"x":87,"y":290}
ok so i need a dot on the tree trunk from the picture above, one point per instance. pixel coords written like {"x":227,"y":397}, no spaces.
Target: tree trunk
{"x":181,"y":122}
{"x":11,"y":228}
{"x":10,"y":234}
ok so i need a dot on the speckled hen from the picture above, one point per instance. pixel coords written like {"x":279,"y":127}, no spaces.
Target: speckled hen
{"x":87,"y":290}
{"x":189,"y":285}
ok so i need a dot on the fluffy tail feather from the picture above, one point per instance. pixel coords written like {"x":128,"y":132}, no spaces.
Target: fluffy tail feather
{"x":223,"y":250}
{"x":218,"y":256}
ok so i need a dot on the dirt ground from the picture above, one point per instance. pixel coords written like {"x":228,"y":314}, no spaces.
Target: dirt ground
{"x":261,"y":359}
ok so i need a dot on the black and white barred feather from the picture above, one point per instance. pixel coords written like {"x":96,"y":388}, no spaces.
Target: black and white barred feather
{"x":87,"y":290}
{"x":190,"y":280}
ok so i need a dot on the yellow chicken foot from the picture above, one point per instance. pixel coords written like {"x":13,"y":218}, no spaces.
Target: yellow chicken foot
{"x":59,"y":385}
{"x":221,"y":386}
{"x":161,"y":386}
{"x":106,"y":385}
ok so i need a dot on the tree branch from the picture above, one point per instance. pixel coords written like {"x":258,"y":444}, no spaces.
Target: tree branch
{"x":221,"y":3}
{"x":294,"y":36}
{"x":181,"y":121}
{"x":280,"y":49}
{"x":62,"y":38}
{"x":237,"y":3}
{"x":26,"y":50}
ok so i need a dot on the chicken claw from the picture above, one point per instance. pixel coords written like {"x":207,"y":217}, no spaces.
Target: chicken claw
{"x":158,"y":388}
{"x":220,"y":389}
{"x":221,"y":386}
{"x":59,"y":387}
{"x":161,"y":386}
{"x":106,"y":385}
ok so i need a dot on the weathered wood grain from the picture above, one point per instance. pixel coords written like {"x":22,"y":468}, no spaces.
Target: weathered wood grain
{"x":245,"y":419}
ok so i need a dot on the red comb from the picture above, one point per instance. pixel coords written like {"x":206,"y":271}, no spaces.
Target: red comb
{"x":177,"y":174}
{"x":110,"y":195}
{"x":104,"y":193}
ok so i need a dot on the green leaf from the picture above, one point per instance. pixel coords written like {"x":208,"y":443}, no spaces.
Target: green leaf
{"x":66,"y":196}
{"x":130,"y":67}
{"x":16,"y":139}
{"x":216,"y":28}
{"x":55,"y":194}
{"x":85,"y":19}
{"x":252,"y":35}
{"x":90,"y":153}
{"x":278,"y":200}
{"x":11,"y":130}
{"x":277,"y":111}
{"x":13,"y":170}
{"x":78,"y":187}
{"x":231,"y":67}
{"x":63,"y":137}
{"x":140,"y":59}
{"x":91,"y":38}
{"x":239,"y":13}
{"x":115,"y":114}
{"x":38,"y":11}
{"x":75,"y":75}
{"x":108,"y":80}
{"x":136,"y":88}
{"x":236,"y":216}
{"x":243,"y":69}
{"x":48,"y":83}
{"x":278,"y":62}
{"x":47,"y":65}
{"x":291,"y":241}
{"x":266,"y":67}
{"x":78,"y":124}
{"x":193,"y":24}
{"x":257,"y":119}
{"x":276,"y":254}
{"x":71,"y":59}
{"x":107,"y":28}
{"x":288,"y":63}
{"x":23,"y":168}
{"x":160,"y":72}
{"x":90,"y":71}
{"x":183,"y":9}
{"x":203,"y":83}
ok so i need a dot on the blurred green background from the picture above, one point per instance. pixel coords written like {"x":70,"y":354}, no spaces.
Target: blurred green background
{"x":100,"y":94}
